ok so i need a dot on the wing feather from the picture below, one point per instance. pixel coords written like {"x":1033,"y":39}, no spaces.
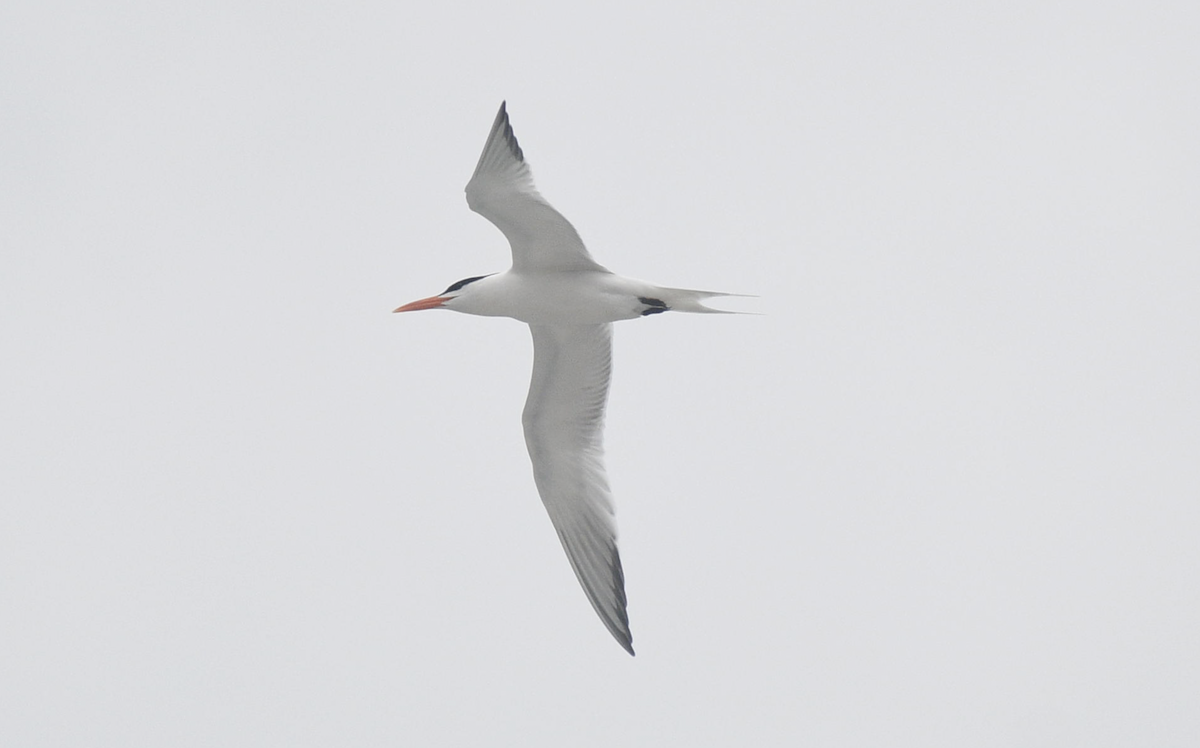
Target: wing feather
{"x":502,"y":191}
{"x":564,"y":425}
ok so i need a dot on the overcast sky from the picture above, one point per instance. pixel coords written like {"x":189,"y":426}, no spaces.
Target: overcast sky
{"x":944,"y":492}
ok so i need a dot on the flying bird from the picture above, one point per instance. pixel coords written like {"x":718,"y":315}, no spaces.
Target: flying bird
{"x":569,"y":302}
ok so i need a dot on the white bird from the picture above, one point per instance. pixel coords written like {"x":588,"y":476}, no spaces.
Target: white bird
{"x":569,"y":302}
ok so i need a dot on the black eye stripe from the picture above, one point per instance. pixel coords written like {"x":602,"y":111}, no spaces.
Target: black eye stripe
{"x":456,"y":286}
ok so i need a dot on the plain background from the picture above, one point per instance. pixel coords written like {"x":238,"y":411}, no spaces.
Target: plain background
{"x":944,"y":492}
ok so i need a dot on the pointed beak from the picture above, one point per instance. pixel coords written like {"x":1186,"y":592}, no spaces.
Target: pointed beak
{"x":433,"y":302}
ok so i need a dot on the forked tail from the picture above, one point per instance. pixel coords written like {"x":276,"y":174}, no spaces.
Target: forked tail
{"x":688,"y":300}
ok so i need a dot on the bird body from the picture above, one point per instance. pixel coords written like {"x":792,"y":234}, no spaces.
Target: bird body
{"x":587,"y":297}
{"x":569,"y":302}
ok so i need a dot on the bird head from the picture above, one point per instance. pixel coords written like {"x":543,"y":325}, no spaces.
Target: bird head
{"x":442,"y":300}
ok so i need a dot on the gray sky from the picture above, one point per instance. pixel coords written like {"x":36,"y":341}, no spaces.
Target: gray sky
{"x":943,"y":493}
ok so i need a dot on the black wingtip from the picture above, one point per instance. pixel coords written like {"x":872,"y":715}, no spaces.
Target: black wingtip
{"x":509,"y":137}
{"x":620,"y":628}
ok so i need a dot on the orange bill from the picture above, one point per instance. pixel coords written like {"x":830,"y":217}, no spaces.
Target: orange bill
{"x":433,"y":302}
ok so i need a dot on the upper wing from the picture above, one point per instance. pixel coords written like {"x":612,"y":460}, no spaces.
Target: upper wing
{"x":564,"y":424}
{"x":502,"y":191}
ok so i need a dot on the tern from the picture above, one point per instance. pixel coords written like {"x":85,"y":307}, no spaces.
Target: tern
{"x":569,"y":302}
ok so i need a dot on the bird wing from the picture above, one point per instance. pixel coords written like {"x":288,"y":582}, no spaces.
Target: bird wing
{"x":564,"y":425}
{"x":502,"y":191}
